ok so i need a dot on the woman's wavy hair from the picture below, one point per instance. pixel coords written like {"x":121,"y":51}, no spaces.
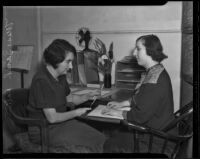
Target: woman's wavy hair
{"x":153,"y":47}
{"x":56,"y":52}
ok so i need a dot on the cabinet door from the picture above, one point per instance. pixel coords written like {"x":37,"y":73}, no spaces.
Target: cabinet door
{"x":128,"y":67}
{"x":126,"y":85}
{"x":134,"y":77}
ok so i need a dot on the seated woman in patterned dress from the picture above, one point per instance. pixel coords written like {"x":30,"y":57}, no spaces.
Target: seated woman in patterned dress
{"x":49,"y":94}
{"x":152,"y":103}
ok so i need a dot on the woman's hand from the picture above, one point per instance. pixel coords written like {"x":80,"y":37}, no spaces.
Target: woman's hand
{"x":114,"y":105}
{"x":90,"y":95}
{"x":95,"y":92}
{"x":81,"y":111}
{"x":110,"y":111}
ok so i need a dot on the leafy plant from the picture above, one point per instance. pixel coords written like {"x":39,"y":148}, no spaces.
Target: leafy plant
{"x":105,"y":59}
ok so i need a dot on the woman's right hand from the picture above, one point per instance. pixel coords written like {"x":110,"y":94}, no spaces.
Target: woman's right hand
{"x":81,"y":111}
{"x":114,"y":105}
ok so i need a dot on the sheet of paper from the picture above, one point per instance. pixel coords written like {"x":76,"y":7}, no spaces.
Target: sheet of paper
{"x":93,"y":85}
{"x":86,"y":91}
{"x":103,"y":92}
{"x":74,"y":89}
{"x":97,"y":112}
{"x":125,"y":109}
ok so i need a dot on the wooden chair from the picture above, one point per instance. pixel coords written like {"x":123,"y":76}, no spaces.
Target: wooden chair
{"x":169,"y":139}
{"x":15,"y":103}
{"x":16,"y":120}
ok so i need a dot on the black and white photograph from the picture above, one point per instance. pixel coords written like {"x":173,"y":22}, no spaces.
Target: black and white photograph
{"x":100,"y":79}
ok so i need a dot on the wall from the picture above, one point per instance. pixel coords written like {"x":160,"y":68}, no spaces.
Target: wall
{"x":23,"y":31}
{"x":187,"y":53}
{"x":187,"y":65}
{"x":20,"y":27}
{"x":122,"y":25}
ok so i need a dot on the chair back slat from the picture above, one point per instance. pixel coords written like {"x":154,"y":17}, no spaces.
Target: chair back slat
{"x":135,"y":139}
{"x":164,"y":146}
{"x":174,"y":152}
{"x":150,"y":142}
{"x":17,"y":99}
{"x":15,"y":102}
{"x":180,"y":115}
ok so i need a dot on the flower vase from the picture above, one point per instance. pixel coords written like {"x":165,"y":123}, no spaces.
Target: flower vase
{"x":107,"y":80}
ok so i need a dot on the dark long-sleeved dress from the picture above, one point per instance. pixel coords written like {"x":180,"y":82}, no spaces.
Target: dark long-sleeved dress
{"x":151,"y":105}
{"x":68,"y":136}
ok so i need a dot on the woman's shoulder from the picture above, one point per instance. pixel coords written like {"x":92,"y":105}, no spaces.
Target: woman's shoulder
{"x":41,"y":75}
{"x":164,"y":76}
{"x":40,"y":81}
{"x":154,"y":74}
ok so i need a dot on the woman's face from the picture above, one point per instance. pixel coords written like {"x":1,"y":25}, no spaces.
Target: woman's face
{"x":64,"y":66}
{"x":140,"y":53}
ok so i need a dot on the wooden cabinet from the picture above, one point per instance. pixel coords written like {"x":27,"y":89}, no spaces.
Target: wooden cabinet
{"x":128,"y":73}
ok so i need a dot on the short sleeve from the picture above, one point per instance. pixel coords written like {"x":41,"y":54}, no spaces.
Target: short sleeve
{"x":44,"y":94}
{"x":65,"y":84}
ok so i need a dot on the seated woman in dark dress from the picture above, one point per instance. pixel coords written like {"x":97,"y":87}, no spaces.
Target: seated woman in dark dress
{"x":49,"y":94}
{"x":152,"y":103}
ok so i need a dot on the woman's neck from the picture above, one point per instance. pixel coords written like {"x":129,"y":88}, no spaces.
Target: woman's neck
{"x":151,"y":64}
{"x":52,"y":71}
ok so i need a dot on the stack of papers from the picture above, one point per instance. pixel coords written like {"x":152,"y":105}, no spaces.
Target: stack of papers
{"x":93,"y":85}
{"x":97,"y":112}
{"x":86,"y":91}
{"x":74,"y":89}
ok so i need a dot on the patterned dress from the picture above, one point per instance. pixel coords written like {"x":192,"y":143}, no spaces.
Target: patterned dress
{"x":152,"y":105}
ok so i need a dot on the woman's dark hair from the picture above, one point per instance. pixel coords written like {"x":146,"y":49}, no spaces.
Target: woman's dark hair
{"x":56,"y":52}
{"x":153,"y":47}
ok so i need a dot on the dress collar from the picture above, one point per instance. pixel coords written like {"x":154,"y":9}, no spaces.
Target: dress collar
{"x":154,"y":67}
{"x":48,"y":73}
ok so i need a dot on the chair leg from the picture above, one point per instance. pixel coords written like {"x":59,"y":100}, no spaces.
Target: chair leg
{"x":14,"y":149}
{"x":136,"y":141}
{"x":44,"y":140}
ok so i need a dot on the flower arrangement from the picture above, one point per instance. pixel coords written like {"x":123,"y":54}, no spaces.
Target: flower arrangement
{"x":105,"y":59}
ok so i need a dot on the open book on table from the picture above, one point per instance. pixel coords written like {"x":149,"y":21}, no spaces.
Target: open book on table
{"x":97,"y":112}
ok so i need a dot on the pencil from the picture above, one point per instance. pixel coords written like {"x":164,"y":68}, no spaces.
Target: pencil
{"x":101,"y":89}
{"x":94,"y":99}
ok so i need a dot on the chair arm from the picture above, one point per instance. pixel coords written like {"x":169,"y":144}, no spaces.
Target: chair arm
{"x":43,"y":124}
{"x":134,"y":126}
{"x":166,"y":138}
{"x":145,"y":129}
{"x":27,"y":120}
